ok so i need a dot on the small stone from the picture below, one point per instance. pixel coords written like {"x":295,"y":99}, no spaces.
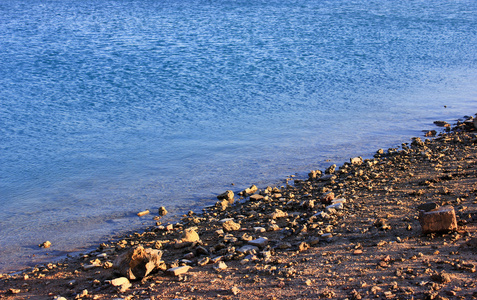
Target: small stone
{"x":247,"y":249}
{"x":190,"y":236}
{"x":119,"y":281}
{"x":204,"y":261}
{"x":231,"y":226}
{"x":259,"y":229}
{"x":336,"y":206}
{"x":228,"y":195}
{"x":220,"y":266}
{"x":162,"y":211}
{"x":14,"y":291}
{"x":441,"y":278}
{"x":250,"y":190}
{"x":356,"y":160}
{"x":322,"y":215}
{"x":235,"y":290}
{"x":357,"y":252}
{"x":303,"y":246}
{"x":328,"y":197}
{"x":46,"y":244}
{"x":278,"y":214}
{"x":261,"y":242}
{"x":256,"y":197}
{"x":178,"y":270}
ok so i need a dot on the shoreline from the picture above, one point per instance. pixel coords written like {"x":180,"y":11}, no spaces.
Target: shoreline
{"x":294,"y":236}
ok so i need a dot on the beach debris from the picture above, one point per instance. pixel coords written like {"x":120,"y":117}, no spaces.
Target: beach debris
{"x":440,"y":219}
{"x":162,"y":211}
{"x":138,"y":262}
{"x":143,"y":213}
{"x":46,"y":244}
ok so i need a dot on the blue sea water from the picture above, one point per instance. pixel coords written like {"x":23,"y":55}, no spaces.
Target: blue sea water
{"x":111,"y":107}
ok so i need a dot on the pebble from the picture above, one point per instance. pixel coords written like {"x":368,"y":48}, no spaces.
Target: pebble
{"x":162,"y":211}
{"x":178,"y":270}
{"x":261,"y":242}
{"x":46,"y":244}
{"x":220,"y":266}
{"x":231,"y":226}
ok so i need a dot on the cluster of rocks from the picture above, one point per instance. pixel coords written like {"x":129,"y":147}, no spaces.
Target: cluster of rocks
{"x":250,"y":228}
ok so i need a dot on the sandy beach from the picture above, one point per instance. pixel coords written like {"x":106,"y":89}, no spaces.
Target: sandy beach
{"x":353,"y":231}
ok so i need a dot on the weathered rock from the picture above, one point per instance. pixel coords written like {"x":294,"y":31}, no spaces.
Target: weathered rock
{"x":190,"y":235}
{"x":441,"y":277}
{"x":249,"y":190}
{"x":121,"y":282}
{"x":314,"y":174}
{"x":247,"y":249}
{"x":228,"y":195}
{"x":178,"y":270}
{"x":235,"y":290}
{"x":230,"y":225}
{"x":328,"y":197}
{"x":138,"y":262}
{"x":278,"y":214}
{"x":261,"y":242}
{"x":322,"y":215}
{"x":222,"y":205}
{"x":46,"y":244}
{"x":438,"y":220}
{"x":220,"y":266}
{"x":331,"y":169}
{"x":336,"y":206}
{"x":256,"y":197}
{"x":356,"y":160}
{"x":162,"y":211}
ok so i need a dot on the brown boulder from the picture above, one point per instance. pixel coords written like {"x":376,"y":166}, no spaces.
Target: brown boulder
{"x":138,"y":262}
{"x":441,"y":219}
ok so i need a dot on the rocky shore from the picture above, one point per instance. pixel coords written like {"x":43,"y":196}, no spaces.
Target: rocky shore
{"x":399,"y":226}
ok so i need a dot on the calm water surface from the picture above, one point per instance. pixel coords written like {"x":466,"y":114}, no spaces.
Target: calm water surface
{"x":111,"y":107}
